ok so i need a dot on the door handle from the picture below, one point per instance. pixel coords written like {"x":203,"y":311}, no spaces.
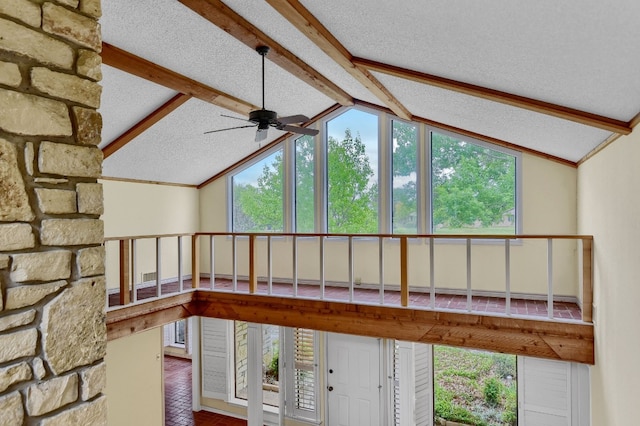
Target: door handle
{"x":329,"y":388}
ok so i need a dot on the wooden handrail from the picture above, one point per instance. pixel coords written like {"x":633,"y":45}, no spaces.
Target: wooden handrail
{"x":392,"y":236}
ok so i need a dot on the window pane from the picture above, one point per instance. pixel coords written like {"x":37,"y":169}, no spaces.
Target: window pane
{"x":270,"y":355}
{"x":241,"y":373}
{"x":304,"y":184}
{"x":405,"y":150}
{"x":473,"y":188}
{"x":474,"y":387}
{"x":180,"y":332}
{"x":257,"y":197}
{"x":352,"y":175}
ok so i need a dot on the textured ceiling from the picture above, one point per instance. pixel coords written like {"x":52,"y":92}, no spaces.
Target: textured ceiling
{"x":580,"y":54}
{"x":126,"y":100}
{"x":177,"y":150}
{"x":539,"y":132}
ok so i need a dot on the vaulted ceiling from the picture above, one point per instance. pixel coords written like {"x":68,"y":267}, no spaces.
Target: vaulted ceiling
{"x":558,"y":78}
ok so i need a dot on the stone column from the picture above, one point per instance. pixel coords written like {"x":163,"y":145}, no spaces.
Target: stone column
{"x":52,"y":286}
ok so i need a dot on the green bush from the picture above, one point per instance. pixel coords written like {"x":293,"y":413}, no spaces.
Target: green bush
{"x":510,"y":413}
{"x":492,"y":390}
{"x":272,"y":370}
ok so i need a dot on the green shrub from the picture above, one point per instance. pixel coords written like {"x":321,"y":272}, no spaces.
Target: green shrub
{"x":272,"y":370}
{"x":492,"y":390}
{"x":510,"y":413}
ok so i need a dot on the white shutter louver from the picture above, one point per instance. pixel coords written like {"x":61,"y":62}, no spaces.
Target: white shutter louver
{"x":304,"y":370}
{"x":214,"y":358}
{"x":301,"y":374}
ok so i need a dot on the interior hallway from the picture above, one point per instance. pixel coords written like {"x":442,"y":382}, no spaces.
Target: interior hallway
{"x":177,"y":398}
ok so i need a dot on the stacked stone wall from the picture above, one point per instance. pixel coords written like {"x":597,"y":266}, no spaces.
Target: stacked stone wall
{"x":52,"y":286}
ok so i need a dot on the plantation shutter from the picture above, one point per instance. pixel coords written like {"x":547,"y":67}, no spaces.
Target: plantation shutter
{"x":215,"y":358}
{"x":301,"y":374}
{"x":553,"y":393}
{"x":412,"y":384}
{"x":545,"y":392}
{"x":423,"y":358}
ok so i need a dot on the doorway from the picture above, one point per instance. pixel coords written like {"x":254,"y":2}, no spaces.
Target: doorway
{"x":354,"y":384}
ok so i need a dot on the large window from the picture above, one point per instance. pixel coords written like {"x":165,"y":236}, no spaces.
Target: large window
{"x":258,"y":196}
{"x":370,"y":172}
{"x":352,"y":173}
{"x":473,"y":188}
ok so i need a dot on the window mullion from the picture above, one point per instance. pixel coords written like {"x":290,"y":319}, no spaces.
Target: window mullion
{"x":288,"y":183}
{"x":423,"y":180}
{"x":320,"y":179}
{"x":384,"y":174}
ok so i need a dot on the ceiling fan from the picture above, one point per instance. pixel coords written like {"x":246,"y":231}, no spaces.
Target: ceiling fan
{"x":263,"y":118}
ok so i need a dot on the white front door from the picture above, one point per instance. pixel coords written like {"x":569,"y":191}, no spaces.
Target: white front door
{"x":353,"y":380}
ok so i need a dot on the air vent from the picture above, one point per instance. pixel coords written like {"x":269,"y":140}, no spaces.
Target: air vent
{"x":149,"y":276}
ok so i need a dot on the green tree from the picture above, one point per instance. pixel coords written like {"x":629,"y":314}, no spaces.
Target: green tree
{"x":353,"y":198}
{"x":259,"y":207}
{"x":405,"y":155}
{"x":304,"y":201}
{"x":471,"y":184}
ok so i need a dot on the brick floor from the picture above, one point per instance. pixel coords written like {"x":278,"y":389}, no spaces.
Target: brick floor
{"x":419,"y":300}
{"x":177,"y":398}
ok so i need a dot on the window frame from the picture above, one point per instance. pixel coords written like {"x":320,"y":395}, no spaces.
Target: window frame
{"x":429,"y":130}
{"x":424,"y":199}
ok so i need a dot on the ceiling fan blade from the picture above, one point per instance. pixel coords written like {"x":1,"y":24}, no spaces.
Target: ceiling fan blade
{"x":300,"y":130}
{"x":236,"y":118}
{"x":299,"y":118}
{"x":261,"y":135}
{"x":230,"y":128}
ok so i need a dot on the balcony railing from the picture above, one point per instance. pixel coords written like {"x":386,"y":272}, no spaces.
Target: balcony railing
{"x":542,"y":275}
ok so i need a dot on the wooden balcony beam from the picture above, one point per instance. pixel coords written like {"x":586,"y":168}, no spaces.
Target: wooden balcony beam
{"x":530,"y":337}
{"x":144,"y":316}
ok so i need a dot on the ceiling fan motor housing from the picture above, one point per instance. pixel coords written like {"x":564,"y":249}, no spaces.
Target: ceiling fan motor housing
{"x":263,"y":118}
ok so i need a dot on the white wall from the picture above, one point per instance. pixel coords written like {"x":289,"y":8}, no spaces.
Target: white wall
{"x":133,"y":209}
{"x":134,"y":380}
{"x":609,"y":208}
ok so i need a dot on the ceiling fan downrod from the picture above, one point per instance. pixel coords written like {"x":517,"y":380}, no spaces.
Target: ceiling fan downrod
{"x":262,"y":50}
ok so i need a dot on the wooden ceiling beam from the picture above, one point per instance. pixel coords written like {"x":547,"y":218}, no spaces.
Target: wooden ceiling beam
{"x":219,"y":14}
{"x":143,"y":68}
{"x":586,"y":118}
{"x":310,"y":26}
{"x":135,"y":131}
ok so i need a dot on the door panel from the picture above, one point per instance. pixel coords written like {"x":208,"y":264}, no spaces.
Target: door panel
{"x":353,"y":380}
